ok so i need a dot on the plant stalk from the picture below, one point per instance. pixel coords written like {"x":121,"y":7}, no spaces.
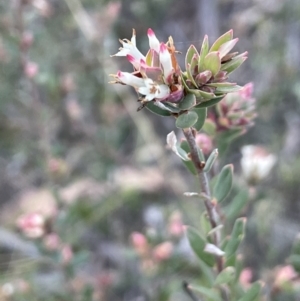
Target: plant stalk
{"x":204,"y":186}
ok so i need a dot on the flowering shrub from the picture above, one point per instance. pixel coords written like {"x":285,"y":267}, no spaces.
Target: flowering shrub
{"x":187,"y":95}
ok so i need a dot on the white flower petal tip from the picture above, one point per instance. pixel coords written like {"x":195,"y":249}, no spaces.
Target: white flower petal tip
{"x":153,"y":41}
{"x":166,"y":60}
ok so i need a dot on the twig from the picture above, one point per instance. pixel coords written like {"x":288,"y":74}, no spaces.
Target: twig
{"x":204,"y":185}
{"x":189,"y":292}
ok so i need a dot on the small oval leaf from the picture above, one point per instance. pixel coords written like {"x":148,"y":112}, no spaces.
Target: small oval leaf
{"x":198,"y":243}
{"x":186,"y":120}
{"x":237,"y":204}
{"x":226,"y":276}
{"x":156,"y":110}
{"x":201,"y":112}
{"x":188,"y":101}
{"x":211,"y":160}
{"x":236,"y":237}
{"x":209,"y":103}
{"x":224,"y":183}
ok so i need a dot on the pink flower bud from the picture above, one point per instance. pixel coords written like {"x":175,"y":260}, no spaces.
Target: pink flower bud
{"x":163,"y":251}
{"x":32,"y":225}
{"x":27,"y":40}
{"x":66,"y":254}
{"x":175,"y":226}
{"x":205,"y":143}
{"x":285,"y":274}
{"x":139,"y":243}
{"x":246,"y":277}
{"x":52,"y":242}
{"x":31,"y":69}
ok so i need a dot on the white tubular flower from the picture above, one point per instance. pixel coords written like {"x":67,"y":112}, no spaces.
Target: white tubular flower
{"x":136,"y":63}
{"x":152,"y":90}
{"x":129,"y":47}
{"x":256,"y":163}
{"x":165,"y":60}
{"x":153,"y":41}
{"x":129,"y":79}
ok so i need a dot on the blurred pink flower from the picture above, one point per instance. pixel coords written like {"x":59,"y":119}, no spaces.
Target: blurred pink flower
{"x":32,"y":225}
{"x":139,"y":243}
{"x":52,"y":242}
{"x":66,"y":254}
{"x":246,"y":277}
{"x":205,"y":143}
{"x":163,"y":251}
{"x":31,"y":69}
{"x":175,"y":226}
{"x":236,"y":110}
{"x":285,"y":274}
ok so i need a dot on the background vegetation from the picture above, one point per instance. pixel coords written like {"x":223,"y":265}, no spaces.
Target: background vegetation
{"x":74,"y":147}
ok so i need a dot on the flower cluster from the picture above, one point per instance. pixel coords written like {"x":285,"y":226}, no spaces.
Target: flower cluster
{"x":156,"y":76}
{"x":237,"y":110}
{"x":207,"y":72}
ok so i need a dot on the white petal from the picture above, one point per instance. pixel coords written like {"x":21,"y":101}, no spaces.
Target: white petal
{"x":165,"y":60}
{"x":129,"y":79}
{"x":153,"y":41}
{"x":163,"y":91}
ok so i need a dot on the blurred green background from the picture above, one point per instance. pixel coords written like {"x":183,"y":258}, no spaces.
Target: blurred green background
{"x":69,"y":139}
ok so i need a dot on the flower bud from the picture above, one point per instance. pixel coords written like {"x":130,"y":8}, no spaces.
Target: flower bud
{"x":139,"y":243}
{"x":204,"y":142}
{"x":31,"y":69}
{"x":163,"y":251}
{"x":32,"y":225}
{"x":236,"y":110}
{"x":175,"y":226}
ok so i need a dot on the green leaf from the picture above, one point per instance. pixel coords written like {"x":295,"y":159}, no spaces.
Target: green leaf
{"x":169,"y":107}
{"x":203,"y":53}
{"x":202,"y":112}
{"x":226,"y":37}
{"x":205,"y":223}
{"x":198,"y":243}
{"x":220,"y":85}
{"x":189,"y":73}
{"x":209,"y":293}
{"x":210,"y":102}
{"x":209,"y":127}
{"x":189,"y":55}
{"x":236,"y":237}
{"x":234,"y":63}
{"x":237,"y":204}
{"x":224,"y":183}
{"x":188,"y":101}
{"x":238,"y":267}
{"x":296,"y":245}
{"x":228,"y":89}
{"x":226,"y":47}
{"x":252,"y":292}
{"x":211,"y":160}
{"x":212,"y":62}
{"x":226,"y":276}
{"x":294,"y":259}
{"x":186,"y":120}
{"x":156,"y":110}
